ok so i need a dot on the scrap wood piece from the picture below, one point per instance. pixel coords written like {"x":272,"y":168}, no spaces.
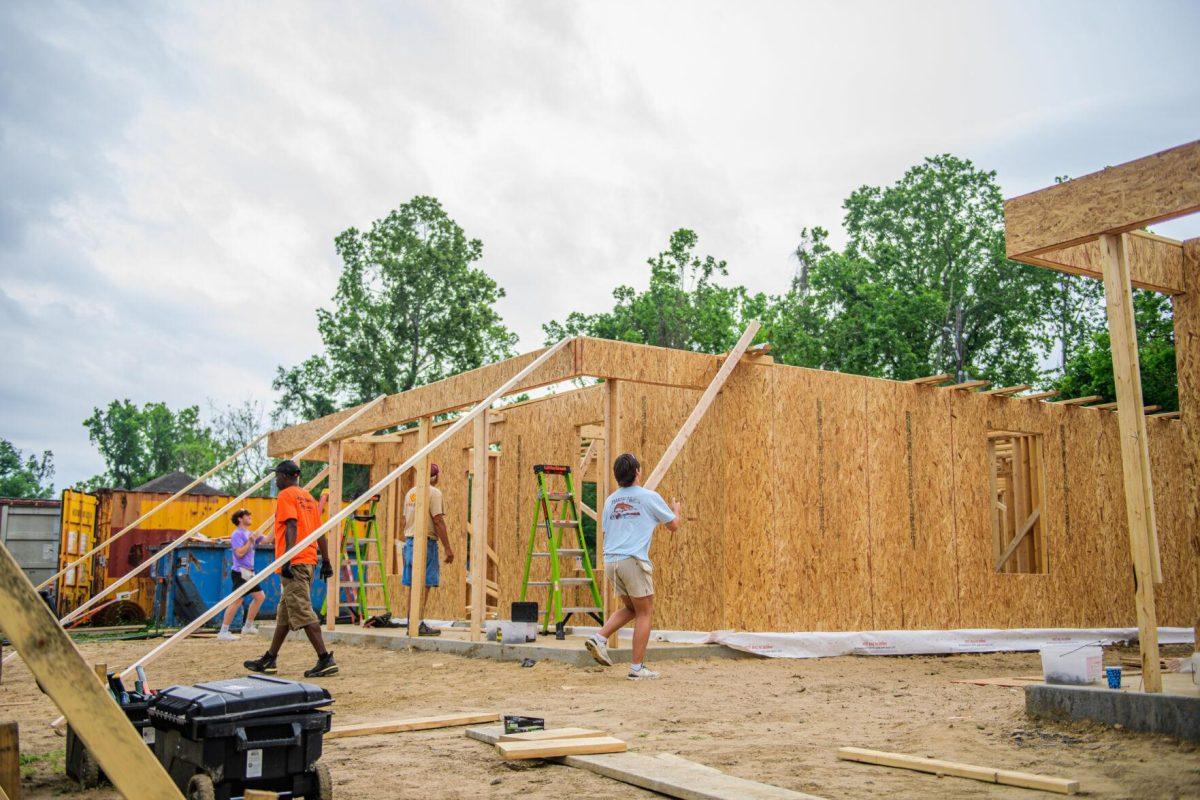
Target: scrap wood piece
{"x":688,"y":781}
{"x":552,"y":733}
{"x":937,"y":766}
{"x":553,"y":748}
{"x":414,"y":724}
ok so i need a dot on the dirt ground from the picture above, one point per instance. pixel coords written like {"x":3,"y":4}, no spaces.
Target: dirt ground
{"x":777,"y":721}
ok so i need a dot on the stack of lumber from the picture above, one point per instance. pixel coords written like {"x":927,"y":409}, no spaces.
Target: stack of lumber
{"x":557,"y":743}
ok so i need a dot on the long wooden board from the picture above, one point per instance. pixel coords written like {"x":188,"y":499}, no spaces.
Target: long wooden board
{"x":673,"y":777}
{"x":937,"y":766}
{"x":552,"y":734}
{"x":414,"y":724}
{"x":554,"y":748}
{"x":63,"y":674}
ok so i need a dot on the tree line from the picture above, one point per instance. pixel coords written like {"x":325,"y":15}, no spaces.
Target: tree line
{"x":921,"y":287}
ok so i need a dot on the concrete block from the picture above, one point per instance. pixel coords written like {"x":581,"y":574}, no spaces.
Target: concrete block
{"x":1168,"y":714}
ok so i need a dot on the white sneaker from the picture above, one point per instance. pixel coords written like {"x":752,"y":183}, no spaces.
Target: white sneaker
{"x":599,"y":651}
{"x":226,"y":636}
{"x":250,"y":629}
{"x":643,"y":674}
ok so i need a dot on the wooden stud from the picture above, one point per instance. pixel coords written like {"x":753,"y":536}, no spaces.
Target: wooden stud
{"x":64,"y":675}
{"x":512,"y":751}
{"x":414,"y":724}
{"x":1135,"y":454}
{"x":479,"y":525}
{"x":1078,"y":401}
{"x":966,"y":385}
{"x":10,"y":760}
{"x":1026,"y":527}
{"x":612,"y":448}
{"x":1039,"y":395}
{"x":957,"y":769}
{"x":416,"y":591}
{"x":1007,"y":390}
{"x":702,"y":406}
{"x":930,"y":380}
{"x":333,"y":596}
{"x":1117,"y":199}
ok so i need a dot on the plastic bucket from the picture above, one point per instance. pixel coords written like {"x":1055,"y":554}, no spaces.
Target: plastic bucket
{"x":1072,"y":664}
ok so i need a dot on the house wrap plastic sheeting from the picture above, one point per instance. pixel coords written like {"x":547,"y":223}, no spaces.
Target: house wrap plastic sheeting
{"x":908,"y":643}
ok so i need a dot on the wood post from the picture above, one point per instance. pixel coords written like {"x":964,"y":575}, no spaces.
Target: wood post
{"x":605,"y":487}
{"x":416,"y":591}
{"x":479,"y":526}
{"x":1187,"y":367}
{"x":1135,"y":453}
{"x":333,"y":539}
{"x":10,"y":761}
{"x":60,"y":669}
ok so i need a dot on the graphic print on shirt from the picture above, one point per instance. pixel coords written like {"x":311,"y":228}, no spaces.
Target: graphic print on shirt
{"x":622,"y":510}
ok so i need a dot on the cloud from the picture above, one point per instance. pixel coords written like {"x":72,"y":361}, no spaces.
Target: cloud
{"x":174,"y":174}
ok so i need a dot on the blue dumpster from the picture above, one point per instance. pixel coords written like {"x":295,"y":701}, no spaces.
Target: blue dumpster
{"x":194,"y":577}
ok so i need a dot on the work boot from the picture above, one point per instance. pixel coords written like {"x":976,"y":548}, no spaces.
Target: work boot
{"x":264,"y":664}
{"x":324,"y":668}
{"x":425,"y":630}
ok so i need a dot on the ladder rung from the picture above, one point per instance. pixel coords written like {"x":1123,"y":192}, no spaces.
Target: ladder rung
{"x":377,"y":608}
{"x":537,"y":583}
{"x":361,"y":539}
{"x":563,"y":582}
{"x":371,"y":584}
{"x":564,"y":551}
{"x":581,"y":610}
{"x":561,"y":523}
{"x":560,"y":495}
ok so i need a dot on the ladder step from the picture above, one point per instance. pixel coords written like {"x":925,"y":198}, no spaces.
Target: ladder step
{"x":362,"y":539}
{"x":581,"y":610}
{"x":561,"y":523}
{"x":563,"y":582}
{"x":560,"y":495}
{"x":564,"y":551}
{"x":371,"y":584}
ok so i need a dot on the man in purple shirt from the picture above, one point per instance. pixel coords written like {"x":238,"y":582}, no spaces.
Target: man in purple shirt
{"x":242,"y":544}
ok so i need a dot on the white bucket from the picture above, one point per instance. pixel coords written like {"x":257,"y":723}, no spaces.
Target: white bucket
{"x":510,"y":632}
{"x":1072,"y":664}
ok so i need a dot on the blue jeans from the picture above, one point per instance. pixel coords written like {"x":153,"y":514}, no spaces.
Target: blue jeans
{"x":433,"y":564}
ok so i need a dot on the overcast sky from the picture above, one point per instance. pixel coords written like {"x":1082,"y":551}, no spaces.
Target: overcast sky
{"x":172,"y":175}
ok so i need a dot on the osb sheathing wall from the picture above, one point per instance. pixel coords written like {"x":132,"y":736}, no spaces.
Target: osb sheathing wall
{"x":821,"y":501}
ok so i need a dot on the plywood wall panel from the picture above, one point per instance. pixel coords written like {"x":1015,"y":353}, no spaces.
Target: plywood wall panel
{"x":887,"y":478}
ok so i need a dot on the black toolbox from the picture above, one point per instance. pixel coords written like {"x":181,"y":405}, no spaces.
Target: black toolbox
{"x":220,"y":738}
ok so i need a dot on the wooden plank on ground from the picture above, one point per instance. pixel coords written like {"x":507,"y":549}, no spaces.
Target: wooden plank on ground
{"x":555,"y":748}
{"x":63,"y":674}
{"x":553,"y":733}
{"x":688,"y":781}
{"x":937,"y":766}
{"x":415,"y":724}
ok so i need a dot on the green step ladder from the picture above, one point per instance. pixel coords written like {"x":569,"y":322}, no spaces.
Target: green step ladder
{"x":361,"y":540}
{"x":556,"y":513}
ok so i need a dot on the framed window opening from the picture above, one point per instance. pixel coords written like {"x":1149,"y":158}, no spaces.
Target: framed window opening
{"x":1018,"y":491}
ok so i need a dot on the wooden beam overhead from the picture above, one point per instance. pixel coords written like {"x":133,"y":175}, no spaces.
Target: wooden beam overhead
{"x":1079,"y":401}
{"x":1008,"y":390}
{"x":1039,"y":395}
{"x":1155,"y":262}
{"x":965,"y":385}
{"x":1114,"y":200}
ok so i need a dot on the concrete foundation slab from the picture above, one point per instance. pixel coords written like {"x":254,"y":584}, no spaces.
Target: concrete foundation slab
{"x":1169,"y":714}
{"x":455,"y":642}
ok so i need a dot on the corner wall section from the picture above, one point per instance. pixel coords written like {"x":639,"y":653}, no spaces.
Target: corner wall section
{"x":1187,"y":364}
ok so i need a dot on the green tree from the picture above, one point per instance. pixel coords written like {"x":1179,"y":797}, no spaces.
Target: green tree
{"x":409,"y":309}
{"x":22,"y":476}
{"x":139,"y":444}
{"x":684,"y":306}
{"x":1089,"y":370}
{"x":922,"y":287}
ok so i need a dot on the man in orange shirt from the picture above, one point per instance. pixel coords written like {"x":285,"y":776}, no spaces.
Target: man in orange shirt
{"x":296,"y":516}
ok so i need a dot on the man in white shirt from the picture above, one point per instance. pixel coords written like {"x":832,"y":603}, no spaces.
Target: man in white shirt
{"x":434,"y":527}
{"x":630,"y":516}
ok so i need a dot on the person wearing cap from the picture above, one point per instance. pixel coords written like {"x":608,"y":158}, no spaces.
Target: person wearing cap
{"x":434,"y":527}
{"x":296,"y":516}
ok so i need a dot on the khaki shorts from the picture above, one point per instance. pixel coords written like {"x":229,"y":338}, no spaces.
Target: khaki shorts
{"x":630,"y":577}
{"x":295,"y":604}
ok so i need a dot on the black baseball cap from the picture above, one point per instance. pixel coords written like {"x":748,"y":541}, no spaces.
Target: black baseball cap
{"x":287,"y":467}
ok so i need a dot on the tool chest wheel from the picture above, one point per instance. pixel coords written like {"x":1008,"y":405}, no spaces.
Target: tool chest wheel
{"x":324,"y":783}
{"x":200,"y":787}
